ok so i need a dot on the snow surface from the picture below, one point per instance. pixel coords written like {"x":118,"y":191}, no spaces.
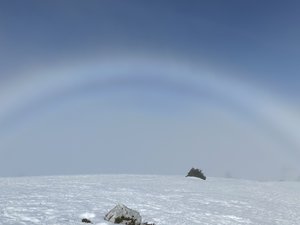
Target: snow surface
{"x":164,"y":200}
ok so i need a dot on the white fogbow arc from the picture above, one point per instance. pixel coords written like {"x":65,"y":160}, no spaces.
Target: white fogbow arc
{"x":34,"y":87}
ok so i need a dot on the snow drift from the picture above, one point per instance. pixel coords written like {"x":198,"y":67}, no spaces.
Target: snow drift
{"x":163,"y":200}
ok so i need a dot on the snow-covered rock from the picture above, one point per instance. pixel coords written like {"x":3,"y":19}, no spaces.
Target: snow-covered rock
{"x":121,"y":214}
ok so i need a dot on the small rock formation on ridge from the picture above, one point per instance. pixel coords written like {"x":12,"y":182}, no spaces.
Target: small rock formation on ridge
{"x":196,"y":173}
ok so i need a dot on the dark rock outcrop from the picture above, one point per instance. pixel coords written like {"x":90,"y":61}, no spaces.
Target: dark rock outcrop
{"x":196,"y":173}
{"x":85,"y":220}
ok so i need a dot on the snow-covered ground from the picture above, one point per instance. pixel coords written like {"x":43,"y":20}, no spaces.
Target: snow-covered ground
{"x":164,"y":200}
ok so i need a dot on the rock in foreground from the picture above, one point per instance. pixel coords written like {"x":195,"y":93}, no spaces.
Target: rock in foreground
{"x":121,"y":214}
{"x":85,"y":220}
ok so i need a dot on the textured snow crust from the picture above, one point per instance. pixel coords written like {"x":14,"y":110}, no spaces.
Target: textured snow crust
{"x":163,"y":200}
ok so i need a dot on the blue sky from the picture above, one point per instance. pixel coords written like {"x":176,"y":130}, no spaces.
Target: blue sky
{"x":204,"y":71}
{"x":261,"y":38}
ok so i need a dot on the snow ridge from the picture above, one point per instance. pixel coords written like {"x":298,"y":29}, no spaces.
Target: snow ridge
{"x":163,"y":200}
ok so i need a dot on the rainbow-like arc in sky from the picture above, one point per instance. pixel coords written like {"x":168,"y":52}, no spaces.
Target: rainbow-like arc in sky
{"x":36,"y":89}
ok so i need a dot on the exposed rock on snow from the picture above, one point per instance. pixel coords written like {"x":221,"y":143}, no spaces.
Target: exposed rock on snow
{"x":121,"y":214}
{"x":196,"y":173}
{"x":85,"y":220}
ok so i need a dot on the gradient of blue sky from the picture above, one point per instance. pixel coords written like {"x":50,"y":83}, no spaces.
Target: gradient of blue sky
{"x":255,"y":42}
{"x":260,"y":37}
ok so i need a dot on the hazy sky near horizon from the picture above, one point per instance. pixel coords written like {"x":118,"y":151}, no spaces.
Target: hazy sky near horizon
{"x":151,"y":87}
